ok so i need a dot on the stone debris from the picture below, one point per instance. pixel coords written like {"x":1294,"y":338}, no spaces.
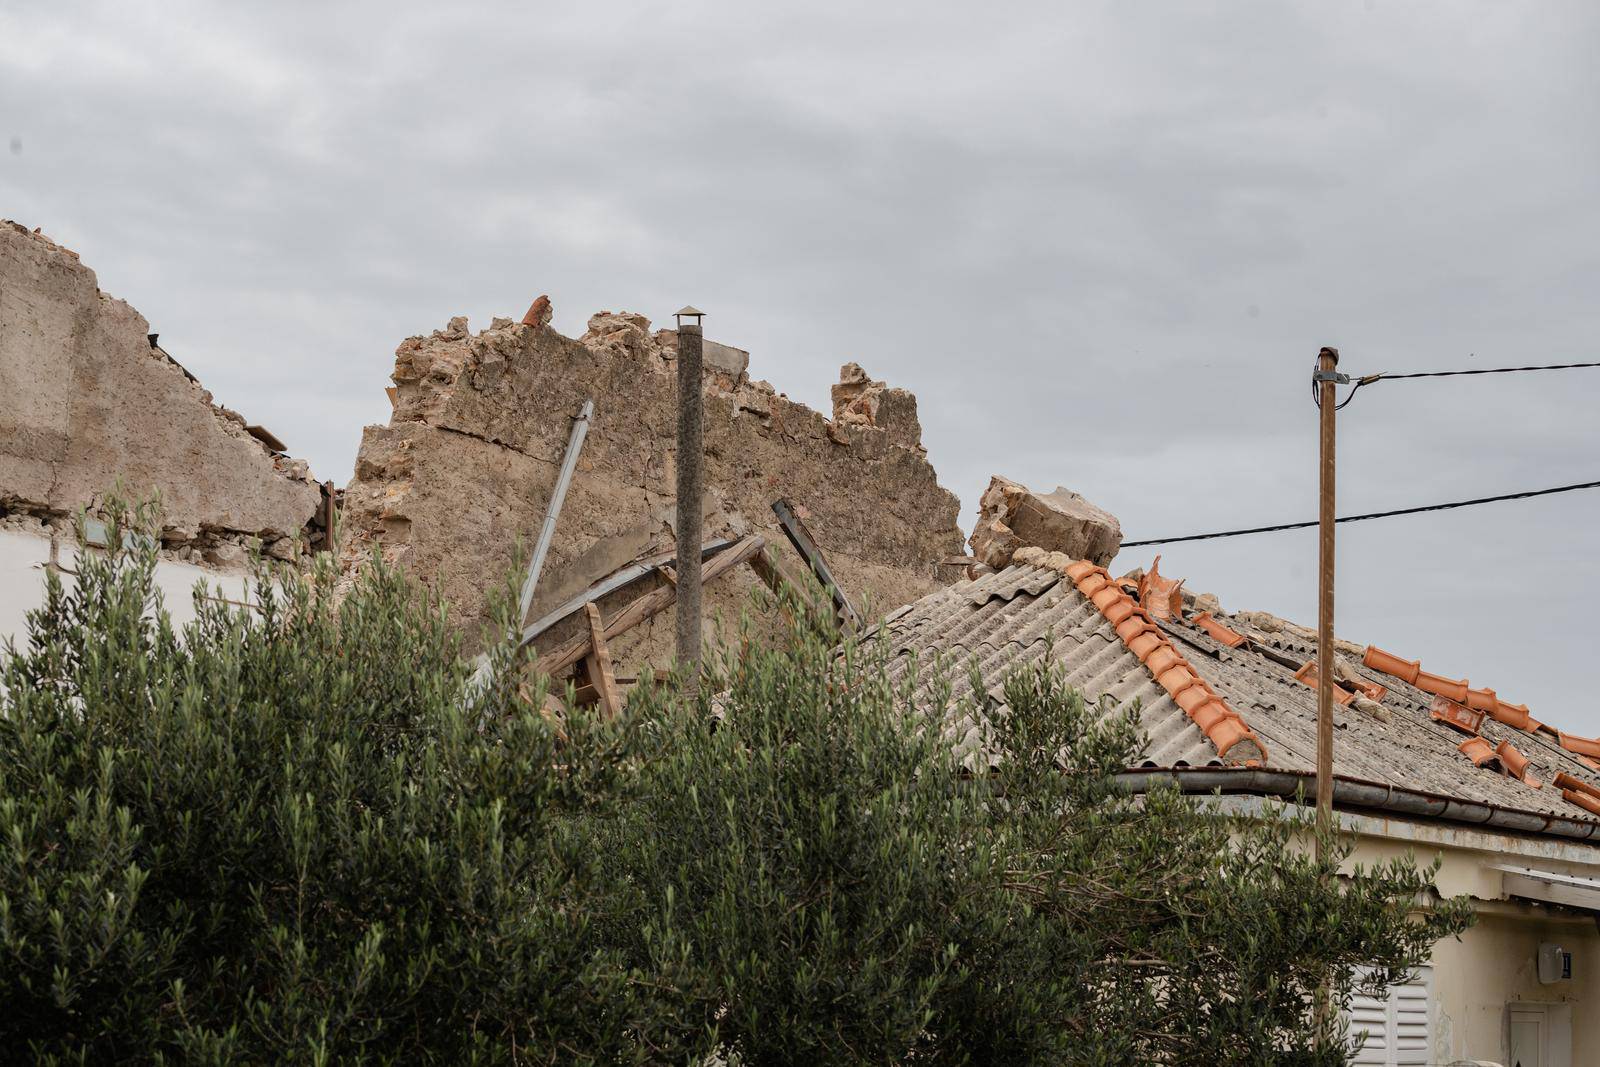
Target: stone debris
{"x":1010,"y":515}
{"x":539,"y":312}
{"x":92,"y":400}
{"x":480,"y":423}
{"x":859,"y":401}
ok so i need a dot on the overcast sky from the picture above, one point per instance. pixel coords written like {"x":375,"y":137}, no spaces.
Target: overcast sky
{"x":1102,"y":243}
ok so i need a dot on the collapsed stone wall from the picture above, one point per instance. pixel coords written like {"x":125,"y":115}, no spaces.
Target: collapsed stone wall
{"x":90,"y":401}
{"x":480,"y":423}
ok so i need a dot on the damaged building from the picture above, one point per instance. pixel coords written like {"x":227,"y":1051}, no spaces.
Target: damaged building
{"x":93,"y":402}
{"x":481,"y":422}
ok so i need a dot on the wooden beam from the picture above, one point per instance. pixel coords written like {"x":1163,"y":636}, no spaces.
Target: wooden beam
{"x":811,"y":552}
{"x":645,"y":607}
{"x":770,"y":569}
{"x":600,"y":671}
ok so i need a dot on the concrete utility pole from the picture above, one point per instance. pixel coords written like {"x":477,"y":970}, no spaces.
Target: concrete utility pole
{"x":1324,"y":382}
{"x":691,"y":491}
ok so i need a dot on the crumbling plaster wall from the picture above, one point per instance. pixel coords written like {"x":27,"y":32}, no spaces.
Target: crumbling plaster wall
{"x":480,"y":423}
{"x":90,"y":401}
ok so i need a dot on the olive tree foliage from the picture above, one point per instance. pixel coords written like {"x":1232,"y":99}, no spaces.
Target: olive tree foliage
{"x":297,"y":833}
{"x":286,"y":835}
{"x":845,"y":869}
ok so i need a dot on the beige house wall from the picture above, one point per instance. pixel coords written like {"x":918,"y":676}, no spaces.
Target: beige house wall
{"x":1494,"y":964}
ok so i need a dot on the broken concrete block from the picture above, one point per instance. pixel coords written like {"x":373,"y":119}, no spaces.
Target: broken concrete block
{"x":725,"y":359}
{"x":1011,"y":515}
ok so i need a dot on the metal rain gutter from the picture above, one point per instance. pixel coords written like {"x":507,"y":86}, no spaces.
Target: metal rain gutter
{"x":1354,"y":793}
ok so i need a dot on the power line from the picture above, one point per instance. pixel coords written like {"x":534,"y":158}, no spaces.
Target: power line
{"x":1363,"y":518}
{"x":1369,"y":379}
{"x":1485,"y":370}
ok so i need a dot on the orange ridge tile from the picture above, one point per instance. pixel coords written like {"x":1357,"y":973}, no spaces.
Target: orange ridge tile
{"x":1219,"y":631}
{"x":1478,"y":751}
{"x":1440,"y":686}
{"x":1583,"y":800}
{"x":1389,"y":663}
{"x":1222,"y":725}
{"x":1567,"y":781}
{"x":1512,"y":715}
{"x":1307,"y":675}
{"x":1583,"y":746}
{"x":1516,"y":764}
{"x":1484,"y":700}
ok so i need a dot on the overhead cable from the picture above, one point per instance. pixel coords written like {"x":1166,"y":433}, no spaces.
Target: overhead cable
{"x":1363,"y":518}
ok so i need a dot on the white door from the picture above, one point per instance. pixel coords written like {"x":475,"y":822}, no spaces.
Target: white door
{"x":1527,"y":1038}
{"x":1538,"y":1035}
{"x":1398,"y":1026}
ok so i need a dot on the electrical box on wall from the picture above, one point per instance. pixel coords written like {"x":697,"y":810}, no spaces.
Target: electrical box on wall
{"x":1555,"y":963}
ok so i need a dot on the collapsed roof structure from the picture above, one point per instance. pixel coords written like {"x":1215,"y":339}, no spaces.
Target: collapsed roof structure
{"x":469,"y":463}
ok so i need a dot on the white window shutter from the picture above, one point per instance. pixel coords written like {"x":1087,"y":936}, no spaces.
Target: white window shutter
{"x":1397,"y":1026}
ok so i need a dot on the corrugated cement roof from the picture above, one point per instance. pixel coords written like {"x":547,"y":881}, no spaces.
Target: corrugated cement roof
{"x":1011,"y":618}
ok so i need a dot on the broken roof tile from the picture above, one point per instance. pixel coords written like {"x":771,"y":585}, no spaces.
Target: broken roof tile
{"x":1307,"y":675}
{"x":1479,"y":752}
{"x":1456,"y":715}
{"x":1516,"y":764}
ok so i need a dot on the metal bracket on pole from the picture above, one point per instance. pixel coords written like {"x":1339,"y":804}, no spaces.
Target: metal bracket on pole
{"x":1330,"y":376}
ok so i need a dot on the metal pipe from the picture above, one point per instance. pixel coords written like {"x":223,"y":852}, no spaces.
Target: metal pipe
{"x":1354,"y":793}
{"x":690,"y":491}
{"x":569,"y":463}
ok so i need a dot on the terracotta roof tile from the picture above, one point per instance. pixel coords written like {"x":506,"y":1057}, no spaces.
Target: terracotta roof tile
{"x":1437,"y":684}
{"x":1583,"y":746}
{"x":1387,"y":662}
{"x":1220,"y":723}
{"x":1219,"y":632}
{"x":1583,"y":800}
{"x":1480,"y":752}
{"x":1307,"y":675}
{"x":1516,"y":764}
{"x":1456,"y":715}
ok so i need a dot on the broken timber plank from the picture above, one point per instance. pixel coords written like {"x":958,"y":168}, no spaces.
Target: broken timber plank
{"x":806,"y":545}
{"x":600,"y":671}
{"x":625,"y":577}
{"x":644,"y":607}
{"x":770,"y":569}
